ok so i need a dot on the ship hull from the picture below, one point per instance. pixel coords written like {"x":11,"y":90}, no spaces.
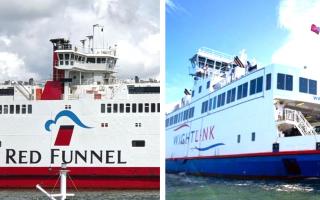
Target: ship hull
{"x":291,"y":164}
{"x":82,"y":177}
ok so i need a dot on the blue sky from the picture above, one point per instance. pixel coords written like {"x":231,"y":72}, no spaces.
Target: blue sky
{"x":264,"y":29}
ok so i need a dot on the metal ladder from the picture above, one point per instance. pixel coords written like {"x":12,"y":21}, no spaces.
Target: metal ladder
{"x":299,"y":121}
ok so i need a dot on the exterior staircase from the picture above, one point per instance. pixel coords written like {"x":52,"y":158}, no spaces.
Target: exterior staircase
{"x":23,"y":90}
{"x":296,"y":118}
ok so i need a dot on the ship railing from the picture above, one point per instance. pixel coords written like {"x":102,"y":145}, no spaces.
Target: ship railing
{"x":299,"y":121}
{"x":23,"y":90}
{"x":212,"y":52}
{"x":73,"y":97}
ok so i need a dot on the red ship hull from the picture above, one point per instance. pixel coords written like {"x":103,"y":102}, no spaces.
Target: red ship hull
{"x":82,"y":177}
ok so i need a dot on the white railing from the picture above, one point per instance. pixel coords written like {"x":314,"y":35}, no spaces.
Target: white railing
{"x":23,"y":90}
{"x":299,"y":121}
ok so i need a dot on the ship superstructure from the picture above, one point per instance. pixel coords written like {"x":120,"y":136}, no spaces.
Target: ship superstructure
{"x":105,"y":130}
{"x":242,"y":120}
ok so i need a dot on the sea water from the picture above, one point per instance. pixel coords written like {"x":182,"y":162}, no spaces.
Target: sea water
{"x":186,"y":187}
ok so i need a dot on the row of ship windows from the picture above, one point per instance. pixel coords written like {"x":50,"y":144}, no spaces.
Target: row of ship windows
{"x":183,"y":115}
{"x":127,"y":108}
{"x":285,"y":82}
{"x":256,"y":86}
{"x":253,"y":137}
{"x":16,"y":109}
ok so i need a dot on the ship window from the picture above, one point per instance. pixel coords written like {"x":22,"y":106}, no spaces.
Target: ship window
{"x":60,"y":56}
{"x":140,"y":107}
{"x":312,"y":87}
{"x":208,"y":84}
{"x":204,"y":107}
{"x":223,"y":97}
{"x":138,"y":143}
{"x":11,"y":109}
{"x":109,"y":108}
{"x":5,"y":109}
{"x":214,"y":103}
{"x":0,"y":109}
{"x":303,"y":85}
{"x":200,"y":87}
{"x":253,"y":136}
{"x":210,"y":104}
{"x":244,"y":90}
{"x":61,"y":62}
{"x":71,"y":62}
{"x":192,"y":94}
{"x":29,"y":109}
{"x":307,"y":86}
{"x":127,"y":107}
{"x":288,"y":82}
{"x":72,"y":56}
{"x":115,"y":108}
{"x":252,"y":86}
{"x":146,"y":107}
{"x":98,"y":60}
{"x":185,"y":114}
{"x":171,"y":120}
{"x":67,"y":62}
{"x":66,"y":56}
{"x":17,"y":109}
{"x":23,"y":109}
{"x":167,"y":122}
{"x":103,"y":108}
{"x":175,"y":119}
{"x":103,"y":60}
{"x":121,"y":105}
{"x":82,"y":58}
{"x":76,"y":57}
{"x":268,"y":82}
{"x":228,"y":96}
{"x":219,"y":101}
{"x":91,"y":60}
{"x":153,"y":107}
{"x":134,"y":108}
{"x":239,"y":94}
{"x":158,"y":107}
{"x":238,"y":138}
{"x":256,"y":85}
{"x":233,"y":94}
{"x":284,"y":82}
{"x":259,"y":84}
{"x":191,"y":112}
{"x":280,"y":81}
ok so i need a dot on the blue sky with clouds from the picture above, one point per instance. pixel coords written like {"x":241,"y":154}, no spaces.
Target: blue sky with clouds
{"x":267,"y":31}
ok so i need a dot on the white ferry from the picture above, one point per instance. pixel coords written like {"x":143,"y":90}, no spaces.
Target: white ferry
{"x":242,"y":121}
{"x":106,"y":131}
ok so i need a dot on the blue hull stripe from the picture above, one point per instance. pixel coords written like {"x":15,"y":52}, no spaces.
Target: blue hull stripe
{"x":260,"y":166}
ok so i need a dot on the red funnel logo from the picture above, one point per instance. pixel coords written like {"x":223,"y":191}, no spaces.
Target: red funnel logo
{"x":64,"y":135}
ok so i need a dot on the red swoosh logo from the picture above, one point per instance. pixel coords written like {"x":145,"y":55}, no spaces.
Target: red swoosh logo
{"x":181,"y":126}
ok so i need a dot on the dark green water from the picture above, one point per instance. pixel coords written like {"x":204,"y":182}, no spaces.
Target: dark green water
{"x":83,"y":195}
{"x":185,"y":187}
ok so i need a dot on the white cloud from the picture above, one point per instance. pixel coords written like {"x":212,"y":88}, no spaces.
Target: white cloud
{"x":13,"y":67}
{"x":28,"y":26}
{"x":5,"y":40}
{"x":302,"y":46}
